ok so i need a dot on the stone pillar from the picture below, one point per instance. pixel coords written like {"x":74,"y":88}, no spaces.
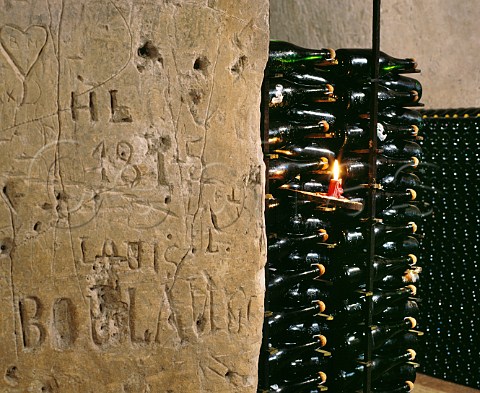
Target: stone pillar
{"x":131,"y":213}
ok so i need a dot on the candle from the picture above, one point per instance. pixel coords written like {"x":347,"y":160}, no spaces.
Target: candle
{"x":335,"y":188}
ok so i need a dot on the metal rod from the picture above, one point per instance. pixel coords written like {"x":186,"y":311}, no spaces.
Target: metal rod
{"x":372,"y":175}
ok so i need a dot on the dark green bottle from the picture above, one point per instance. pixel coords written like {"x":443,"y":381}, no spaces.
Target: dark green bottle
{"x":404,"y":387}
{"x":300,"y":225}
{"x":298,"y":332}
{"x":306,"y":114}
{"x":401,"y":149}
{"x":355,"y":170}
{"x":401,"y":83}
{"x":279,"y":321}
{"x":281,"y":169}
{"x":358,"y":62}
{"x":299,"y":260}
{"x":281,"y":282}
{"x":351,"y":310}
{"x":354,"y":238}
{"x":285,"y":56}
{"x":350,"y":276}
{"x":403,"y":372}
{"x":398,"y":311}
{"x":281,"y":133}
{"x":302,"y":76}
{"x":280,"y":247}
{"x":400,"y":181}
{"x":351,"y":343}
{"x":297,"y":295}
{"x":285,"y":94}
{"x":359,"y":99}
{"x":400,"y":344}
{"x":313,"y":384}
{"x":300,"y":368}
{"x":309,"y":185}
{"x":391,"y":281}
{"x":400,"y":214}
{"x":308,"y":152}
{"x":352,"y":379}
{"x":384,"y":199}
{"x":399,"y":116}
{"x":396,"y":247}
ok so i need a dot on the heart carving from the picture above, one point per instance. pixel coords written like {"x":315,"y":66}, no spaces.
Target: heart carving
{"x":23,"y":46}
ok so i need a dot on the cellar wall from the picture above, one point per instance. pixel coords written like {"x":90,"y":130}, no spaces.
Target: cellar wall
{"x":132,"y":186}
{"x":440,"y":34}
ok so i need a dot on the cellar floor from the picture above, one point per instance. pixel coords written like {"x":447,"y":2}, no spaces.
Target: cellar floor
{"x":426,"y":384}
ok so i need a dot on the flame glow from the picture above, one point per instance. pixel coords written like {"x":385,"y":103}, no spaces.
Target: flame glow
{"x":336,"y":170}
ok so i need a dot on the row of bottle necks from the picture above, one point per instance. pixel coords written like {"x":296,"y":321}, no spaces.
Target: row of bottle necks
{"x":318,"y":111}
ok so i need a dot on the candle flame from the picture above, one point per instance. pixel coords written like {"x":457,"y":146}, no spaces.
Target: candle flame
{"x":336,"y":170}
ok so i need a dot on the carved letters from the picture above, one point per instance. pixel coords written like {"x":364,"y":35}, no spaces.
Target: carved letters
{"x":33,"y":332}
{"x":89,"y":103}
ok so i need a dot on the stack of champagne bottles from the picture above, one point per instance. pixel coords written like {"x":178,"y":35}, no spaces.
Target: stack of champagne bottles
{"x":318,"y":254}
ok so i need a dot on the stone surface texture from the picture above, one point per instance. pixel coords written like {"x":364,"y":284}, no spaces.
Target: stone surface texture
{"x":131,"y":212}
{"x":440,"y":34}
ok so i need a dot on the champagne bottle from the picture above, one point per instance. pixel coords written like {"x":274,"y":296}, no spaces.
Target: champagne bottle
{"x":394,"y":82}
{"x":304,"y":114}
{"x":284,"y":56}
{"x":355,"y":170}
{"x":308,"y":152}
{"x":358,"y":62}
{"x":384,"y":199}
{"x":299,"y":332}
{"x":405,"y":387}
{"x":350,"y":275}
{"x":359,"y":99}
{"x":389,"y":201}
{"x":353,"y":310}
{"x":299,"y":260}
{"x":285,"y":94}
{"x":356,"y":237}
{"x":396,"y":247}
{"x":400,"y":214}
{"x":403,"y":372}
{"x":301,"y":75}
{"x":312,"y":384}
{"x":398,"y":311}
{"x":399,"y":344}
{"x":310,"y":186}
{"x":280,"y":321}
{"x":280,"y":282}
{"x":298,"y":369}
{"x":352,"y":379}
{"x":280,"y":247}
{"x":401,"y":83}
{"x":356,"y":135}
{"x":279,"y":356}
{"x":297,"y":295}
{"x":281,"y":133}
{"x":401,"y":149}
{"x":282,"y":169}
{"x":351,"y":343}
{"x":395,"y":281}
{"x":300,"y":225}
{"x":400,"y":181}
{"x":399,"y":116}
